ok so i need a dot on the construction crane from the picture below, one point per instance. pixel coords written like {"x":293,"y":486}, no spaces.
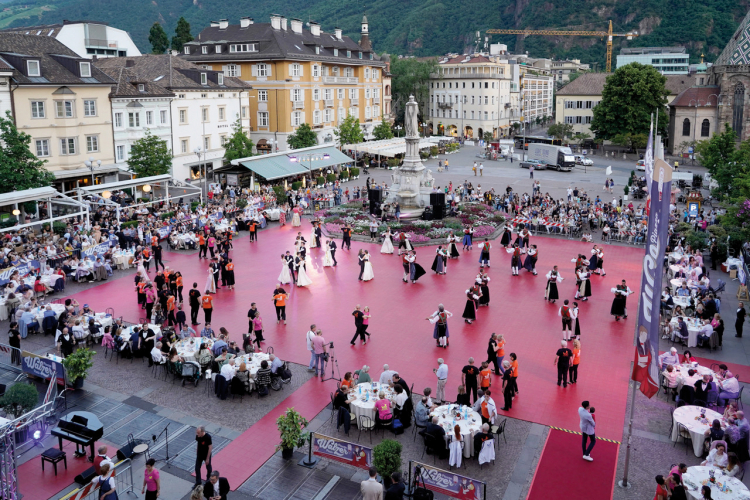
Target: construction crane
{"x":607,"y":34}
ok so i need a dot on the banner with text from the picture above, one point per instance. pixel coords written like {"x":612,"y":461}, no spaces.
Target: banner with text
{"x":45,"y":368}
{"x":448,"y":483}
{"x":645,"y":367}
{"x":342,"y":451}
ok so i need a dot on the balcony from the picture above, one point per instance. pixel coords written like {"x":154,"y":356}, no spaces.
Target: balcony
{"x":95,"y":42}
{"x":329,"y":103}
{"x":354,"y":102}
{"x":341,"y":79}
{"x":376,"y":100}
{"x":445,"y":105}
{"x":299,"y":104}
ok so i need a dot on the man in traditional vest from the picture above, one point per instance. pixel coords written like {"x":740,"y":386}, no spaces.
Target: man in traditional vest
{"x":484,"y":256}
{"x":567,"y":320}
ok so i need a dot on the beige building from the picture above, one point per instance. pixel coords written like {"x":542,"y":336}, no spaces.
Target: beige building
{"x":692,"y":117}
{"x":576,"y":101}
{"x":297,"y":75}
{"x":62,"y":101}
{"x":561,"y":70}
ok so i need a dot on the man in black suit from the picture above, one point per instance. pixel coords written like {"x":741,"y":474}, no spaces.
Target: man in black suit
{"x":702,"y":388}
{"x":216,"y":488}
{"x":359,"y":318}
{"x":332,"y":246}
{"x":194,"y":296}
{"x":481,"y":437}
{"x":361,"y":258}
{"x":710,"y":305}
{"x":318,"y":235}
{"x":398,"y":380}
{"x":396,"y":490}
{"x":290,"y":262}
{"x":438,"y":435}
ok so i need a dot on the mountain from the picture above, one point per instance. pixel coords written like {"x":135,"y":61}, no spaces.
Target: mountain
{"x":430,"y":27}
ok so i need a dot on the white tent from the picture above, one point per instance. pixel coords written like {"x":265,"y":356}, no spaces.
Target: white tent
{"x":386,"y":147}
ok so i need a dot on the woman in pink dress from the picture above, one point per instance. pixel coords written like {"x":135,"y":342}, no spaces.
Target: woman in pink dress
{"x":282,"y":215}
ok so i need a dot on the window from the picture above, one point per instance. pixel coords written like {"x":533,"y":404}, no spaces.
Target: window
{"x":353,"y":93}
{"x":589,"y":104}
{"x":37,"y":109}
{"x":149,"y":117}
{"x":222,"y":140}
{"x":184,"y":145}
{"x":263,"y":70}
{"x":33,"y":68}
{"x":340,"y":93}
{"x":68,"y":146}
{"x":243,"y":47}
{"x":118,"y":120}
{"x":85,"y":69}
{"x":472,"y":115}
{"x":222,"y":113}
{"x":296,"y":69}
{"x":316,"y":94}
{"x":163,"y":116}
{"x":64,"y":109}
{"x":342,"y":114}
{"x":232,"y":70}
{"x":485,"y":115}
{"x":181,"y":96}
{"x":204,"y":79}
{"x":262,"y":96}
{"x":570,"y":120}
{"x":705,"y":128}
{"x":204,"y":50}
{"x":297,"y":118}
{"x":349,"y":72}
{"x":360,"y":55}
{"x":485,"y":99}
{"x":367,"y":72}
{"x":220,"y":79}
{"x":296,"y":94}
{"x":187,"y":50}
{"x":89,"y":108}
{"x":263,"y":119}
{"x":335,"y":52}
{"x":686,"y":127}
{"x":141,"y":87}
{"x":183,"y":116}
{"x":134,"y":120}
{"x":204,"y":114}
{"x":315,"y":70}
{"x":203,"y":96}
{"x":206,"y":143}
{"x":376,"y":111}
{"x":374,"y":72}
{"x":587,"y":120}
{"x":42,"y":147}
{"x":371,"y":57}
{"x":317,"y":49}
{"x":327,"y":94}
{"x":348,"y":53}
{"x":368,"y":112}
{"x":316,"y":117}
{"x":92,"y":143}
{"x":120,"y":153}
{"x":328,"y":116}
{"x":244,"y":111}
{"x":367,"y":93}
{"x":218,"y":49}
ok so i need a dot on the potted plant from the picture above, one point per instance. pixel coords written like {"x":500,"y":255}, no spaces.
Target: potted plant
{"x":355,"y":172}
{"x":242,"y":203}
{"x":78,"y":365}
{"x":290,"y":426}
{"x":386,"y":458}
{"x":626,"y":190}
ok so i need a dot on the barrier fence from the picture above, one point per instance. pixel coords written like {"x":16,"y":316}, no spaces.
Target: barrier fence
{"x":123,"y":475}
{"x":10,"y":357}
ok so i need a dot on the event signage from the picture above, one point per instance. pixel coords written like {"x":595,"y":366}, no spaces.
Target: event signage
{"x":342,"y":451}
{"x":692,"y":207}
{"x":448,"y":483}
{"x":645,"y":367}
{"x":45,"y":368}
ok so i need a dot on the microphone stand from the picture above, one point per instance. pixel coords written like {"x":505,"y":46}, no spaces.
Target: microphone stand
{"x":166,"y":440}
{"x":336,"y":362}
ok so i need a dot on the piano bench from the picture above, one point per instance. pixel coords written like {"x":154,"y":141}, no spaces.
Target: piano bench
{"x":53,"y":455}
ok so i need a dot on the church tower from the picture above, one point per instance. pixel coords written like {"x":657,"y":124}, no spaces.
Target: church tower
{"x":364,"y":42}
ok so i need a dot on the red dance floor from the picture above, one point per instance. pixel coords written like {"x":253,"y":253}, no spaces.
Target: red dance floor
{"x":562,"y":473}
{"x":402,"y":337}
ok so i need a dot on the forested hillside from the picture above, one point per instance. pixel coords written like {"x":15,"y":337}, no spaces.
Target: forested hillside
{"x":431,"y":27}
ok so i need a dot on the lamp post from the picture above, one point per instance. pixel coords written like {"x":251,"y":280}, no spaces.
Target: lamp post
{"x":90,"y":164}
{"x":695,"y":127}
{"x":201,"y":169}
{"x":398,"y":129}
{"x":309,"y":158}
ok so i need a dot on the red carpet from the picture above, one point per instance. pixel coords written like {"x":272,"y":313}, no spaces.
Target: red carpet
{"x":563,"y":474}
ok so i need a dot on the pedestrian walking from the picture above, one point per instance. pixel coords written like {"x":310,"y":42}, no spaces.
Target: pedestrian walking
{"x":203,"y":453}
{"x":151,"y":483}
{"x":740,"y":321}
{"x":588,"y":429}
{"x":441,"y":372}
{"x":470,"y":379}
{"x":481,"y":169}
{"x":562,"y":361}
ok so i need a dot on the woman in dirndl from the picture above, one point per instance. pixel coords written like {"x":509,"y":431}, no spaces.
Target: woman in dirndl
{"x":452,"y":246}
{"x":484,"y":285}
{"x":600,"y":263}
{"x":470,"y":310}
{"x":531,"y":257}
{"x":584,"y":285}
{"x":440,"y":333}
{"x":439,"y":265}
{"x":282,"y":215}
{"x":468,"y":236}
{"x":553,"y":278}
{"x":507,"y":236}
{"x":574,"y":314}
{"x":594,"y":260}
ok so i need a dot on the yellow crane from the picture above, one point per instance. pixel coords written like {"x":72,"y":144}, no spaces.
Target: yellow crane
{"x":609,"y":34}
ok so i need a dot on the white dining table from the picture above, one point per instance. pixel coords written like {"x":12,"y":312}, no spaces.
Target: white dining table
{"x":684,"y":378}
{"x":724,"y":488}
{"x":690,"y":417}
{"x":367,"y":395}
{"x":470,"y":424}
{"x":187,"y":348}
{"x":123,"y":259}
{"x":694,"y":327}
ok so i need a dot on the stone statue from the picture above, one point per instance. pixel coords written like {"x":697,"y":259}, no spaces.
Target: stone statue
{"x":410,"y":121}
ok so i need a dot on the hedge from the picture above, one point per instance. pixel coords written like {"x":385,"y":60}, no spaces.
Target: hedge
{"x":130,"y":223}
{"x":167,"y":215}
{"x":331,"y":177}
{"x":241,"y":203}
{"x":320,"y":180}
{"x":280,"y":193}
{"x":296,"y":185}
{"x":57,"y":227}
{"x":344,"y":174}
{"x":354,"y":171}
{"x":8,"y":222}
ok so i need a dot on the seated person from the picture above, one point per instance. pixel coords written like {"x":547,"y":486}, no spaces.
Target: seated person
{"x":729,"y":388}
{"x":714,"y":433}
{"x":276,"y":364}
{"x":243,"y":375}
{"x":156,"y":355}
{"x":481,"y":437}
{"x":263,"y":377}
{"x":732,"y":433}
{"x":688,"y":358}
{"x":703,"y":387}
{"x":742,"y":424}
{"x":428,"y":393}
{"x":362,"y":375}
{"x":228,"y":370}
{"x":717,"y":457}
{"x":222,"y":358}
{"x":400,"y":397}
{"x":342,"y":400}
{"x":204,"y":357}
{"x":681,"y":330}
{"x":733,"y":465}
{"x":669,"y":358}
{"x":348,"y":380}
{"x":438,"y":434}
{"x":383,"y":407}
{"x":683,"y":291}
{"x":422,"y":413}
{"x":670,"y":379}
{"x":463,"y":399}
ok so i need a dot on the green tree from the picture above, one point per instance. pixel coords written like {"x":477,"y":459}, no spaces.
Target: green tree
{"x":239,"y":144}
{"x":150,"y":156}
{"x":349,"y":132}
{"x":560,"y":130}
{"x":182,"y":35}
{"x":158,"y":39}
{"x":573,"y":76}
{"x":581,"y":136}
{"x":410,"y":77}
{"x":19,"y":168}
{"x":629,"y":97}
{"x":487,"y":137}
{"x":631,"y":141}
{"x":383,"y":130}
{"x":724,"y":161}
{"x":303,"y":137}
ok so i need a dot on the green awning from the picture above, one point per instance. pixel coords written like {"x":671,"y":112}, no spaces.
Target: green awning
{"x":280,"y":165}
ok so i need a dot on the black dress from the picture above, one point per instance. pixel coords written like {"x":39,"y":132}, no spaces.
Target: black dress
{"x":470,"y":311}
{"x":14,"y":340}
{"x":505,"y":239}
{"x":484,"y":300}
{"x":552,"y":288}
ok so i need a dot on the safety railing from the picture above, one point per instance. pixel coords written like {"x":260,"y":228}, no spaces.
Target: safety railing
{"x":123,"y":475}
{"x":10,"y":357}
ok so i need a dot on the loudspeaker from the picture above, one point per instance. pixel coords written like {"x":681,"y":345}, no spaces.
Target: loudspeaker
{"x":374,"y":207}
{"x":375,"y":195}
{"x":438,"y":212}
{"x":86,"y":476}
{"x":437,"y":198}
{"x":125,"y":452}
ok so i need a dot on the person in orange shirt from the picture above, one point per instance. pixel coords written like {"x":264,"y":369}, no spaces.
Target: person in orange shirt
{"x":485,"y":376}
{"x":576,"y":359}
{"x":170,"y":309}
{"x":203,"y":248}
{"x":207,"y":301}
{"x":146,"y":258}
{"x":140,"y":287}
{"x":279,"y":300}
{"x":514,"y":372}
{"x":500,"y":352}
{"x":178,"y":282}
{"x":230,"y":274}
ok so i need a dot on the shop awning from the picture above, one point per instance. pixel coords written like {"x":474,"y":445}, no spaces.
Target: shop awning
{"x":280,"y":165}
{"x":386,"y":147}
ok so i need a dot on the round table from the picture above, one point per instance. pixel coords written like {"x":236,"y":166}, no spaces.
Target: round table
{"x":683,"y":302}
{"x":187,"y":348}
{"x":683,"y":376}
{"x":697,"y":476}
{"x":694,"y":327}
{"x":122,"y":259}
{"x":366,"y":406}
{"x":689,"y":416}
{"x":469,"y":426}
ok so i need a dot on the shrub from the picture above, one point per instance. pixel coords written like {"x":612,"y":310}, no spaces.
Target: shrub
{"x":344,"y":174}
{"x":626,"y":190}
{"x":355,"y":171}
{"x":717,"y":231}
{"x":296,"y":185}
{"x":194,"y":205}
{"x":696,"y":239}
{"x":683,"y":227}
{"x":19,"y":399}
{"x":130,"y":223}
{"x":290,"y":426}
{"x":241,"y":203}
{"x":320,"y":180}
{"x":144,"y":200}
{"x":167,"y":215}
{"x":386,"y":457}
{"x":79,"y":363}
{"x":57,"y":227}
{"x":393,"y":162}
{"x":331,"y":177}
{"x":9,"y":222}
{"x":280,"y":193}
{"x":433,"y":150}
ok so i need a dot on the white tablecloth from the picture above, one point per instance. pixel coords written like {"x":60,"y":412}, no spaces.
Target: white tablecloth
{"x":122,"y":260}
{"x":187,"y":348}
{"x":686,"y":415}
{"x":365,"y":406}
{"x":253,"y":361}
{"x":469,"y":426}
{"x":697,"y":476}
{"x":694,"y":327}
{"x":683,"y":376}
{"x":683,"y":302}
{"x":129,"y":331}
{"x":273,"y":213}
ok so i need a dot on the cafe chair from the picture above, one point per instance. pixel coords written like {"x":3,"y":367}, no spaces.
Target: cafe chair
{"x":365,"y":424}
{"x":431,"y":444}
{"x":383,"y":423}
{"x":738,"y":399}
{"x":497,"y":430}
{"x":417,"y":427}
{"x":487,"y":453}
{"x":684,"y":434}
{"x":333,"y":407}
{"x":456,"y":454}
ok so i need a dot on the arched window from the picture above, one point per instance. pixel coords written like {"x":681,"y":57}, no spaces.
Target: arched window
{"x":705,"y":128}
{"x":686,"y":127}
{"x":737,"y":111}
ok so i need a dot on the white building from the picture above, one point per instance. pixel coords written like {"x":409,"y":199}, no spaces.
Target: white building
{"x":87,"y":38}
{"x":666,"y":60}
{"x":6,"y":72}
{"x":138,"y":105}
{"x":202,"y":114}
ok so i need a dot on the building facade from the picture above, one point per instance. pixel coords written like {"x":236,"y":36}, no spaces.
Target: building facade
{"x":202,"y":114}
{"x":297,"y":76}
{"x":666,"y":60}
{"x":561,"y":70}
{"x":86,"y":38}
{"x":692,"y":117}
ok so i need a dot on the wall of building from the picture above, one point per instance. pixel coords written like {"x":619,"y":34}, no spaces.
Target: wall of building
{"x":78,"y":39}
{"x":127,"y":132}
{"x":668,"y":64}
{"x":5,"y":99}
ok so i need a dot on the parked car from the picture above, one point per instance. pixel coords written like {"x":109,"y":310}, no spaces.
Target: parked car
{"x":582,"y":160}
{"x":537,"y":164}
{"x":641,"y":165}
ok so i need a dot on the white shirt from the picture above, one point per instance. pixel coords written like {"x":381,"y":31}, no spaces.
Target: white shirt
{"x":442,"y":372}
{"x":400,"y":399}
{"x":387,"y":376}
{"x":310,"y":336}
{"x":227,"y":371}
{"x":730,"y":385}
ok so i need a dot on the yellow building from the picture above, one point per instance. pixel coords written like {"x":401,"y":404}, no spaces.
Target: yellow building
{"x":62,"y":101}
{"x":298,"y":76}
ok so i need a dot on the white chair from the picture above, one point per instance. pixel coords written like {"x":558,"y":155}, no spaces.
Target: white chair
{"x":456,"y":449}
{"x":487,"y":454}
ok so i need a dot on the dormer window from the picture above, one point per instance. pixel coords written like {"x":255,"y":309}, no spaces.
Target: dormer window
{"x":221,"y":78}
{"x":204,"y":79}
{"x":218,"y":49}
{"x":349,"y":53}
{"x":317,"y":49}
{"x":360,"y":55}
{"x":33,"y":68}
{"x":243,"y":47}
{"x":335,"y":52}
{"x":141,"y":87}
{"x":204,"y":50}
{"x":371,"y":56}
{"x":85,"y":69}
{"x":187,"y":50}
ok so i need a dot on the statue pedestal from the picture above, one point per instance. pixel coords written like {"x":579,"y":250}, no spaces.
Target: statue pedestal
{"x":412,"y":182}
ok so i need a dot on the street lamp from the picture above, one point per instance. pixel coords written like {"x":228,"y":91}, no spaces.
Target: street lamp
{"x":398,"y":128}
{"x":695,"y":126}
{"x":90,"y":164}
{"x":201,"y":168}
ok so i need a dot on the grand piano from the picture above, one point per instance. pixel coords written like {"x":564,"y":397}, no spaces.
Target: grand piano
{"x":80,"y":427}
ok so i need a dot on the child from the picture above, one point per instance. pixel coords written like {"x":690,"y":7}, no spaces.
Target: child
{"x":258,"y":329}
{"x":592,"y":410}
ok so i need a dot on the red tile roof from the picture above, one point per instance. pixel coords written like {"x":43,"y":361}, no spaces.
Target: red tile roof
{"x":703,"y":95}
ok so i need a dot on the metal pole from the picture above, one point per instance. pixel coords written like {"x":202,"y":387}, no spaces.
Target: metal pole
{"x":624,"y":483}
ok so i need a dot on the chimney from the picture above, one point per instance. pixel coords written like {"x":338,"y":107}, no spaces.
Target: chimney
{"x":214,"y":24}
{"x":296,"y":25}
{"x":337,"y":33}
{"x":275,"y":21}
{"x":223,"y":23}
{"x":245,"y":22}
{"x":314,"y":28}
{"x":130,"y":63}
{"x":283,"y":23}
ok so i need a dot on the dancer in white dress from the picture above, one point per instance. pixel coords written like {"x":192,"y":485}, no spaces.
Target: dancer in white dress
{"x":210,"y":283}
{"x":296,"y":222}
{"x":328,"y":258}
{"x":285,"y":277}
{"x":312,"y":237}
{"x":387,"y":242}
{"x":302,"y":278}
{"x":367,"y":275}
